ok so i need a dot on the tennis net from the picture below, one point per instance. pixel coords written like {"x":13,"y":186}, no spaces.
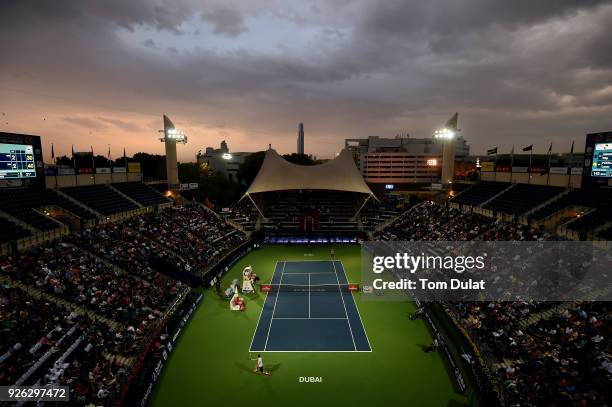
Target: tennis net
{"x":315,"y":288}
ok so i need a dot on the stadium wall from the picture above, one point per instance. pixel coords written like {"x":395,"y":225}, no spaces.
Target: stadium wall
{"x":62,"y":181}
{"x":559,"y":180}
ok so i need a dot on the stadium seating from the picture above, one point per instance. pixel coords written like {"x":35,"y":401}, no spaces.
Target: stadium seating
{"x":100,"y":198}
{"x":541,"y":353}
{"x":21,"y":204}
{"x":598,"y":198}
{"x":606,"y":234}
{"x":523,"y":197}
{"x":329,"y":212}
{"x":141,"y":193}
{"x":11,"y":231}
{"x":480,"y":193}
{"x":94,"y":299}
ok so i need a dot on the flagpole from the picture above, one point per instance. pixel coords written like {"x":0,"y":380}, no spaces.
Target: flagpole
{"x":110,"y":164}
{"x":569,"y":164}
{"x":93,"y":165}
{"x":495,"y":166}
{"x":511,"y":162}
{"x":530,"y":156}
{"x":74,"y":168}
{"x":126,"y":165}
{"x":549,"y":156}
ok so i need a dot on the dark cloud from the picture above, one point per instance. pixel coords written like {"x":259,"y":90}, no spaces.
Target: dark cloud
{"x":515,"y":70}
{"x":226,"y":21}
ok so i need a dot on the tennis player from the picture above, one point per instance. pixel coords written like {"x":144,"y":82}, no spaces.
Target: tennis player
{"x":259,"y":368}
{"x":332,"y":253}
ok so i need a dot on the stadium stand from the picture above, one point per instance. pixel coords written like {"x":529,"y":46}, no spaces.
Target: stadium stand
{"x":606,"y":234}
{"x":193,"y":231}
{"x":100,"y":198}
{"x":329,"y":212}
{"x":375,"y":212}
{"x":595,"y":199}
{"x":81,"y":310}
{"x":523,"y":197}
{"x":141,"y":193}
{"x":11,"y":231}
{"x":20,"y":203}
{"x":540,"y":353}
{"x":480,"y":193}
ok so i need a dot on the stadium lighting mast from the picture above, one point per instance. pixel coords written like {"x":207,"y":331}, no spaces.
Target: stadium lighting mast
{"x":447,"y":135}
{"x":172,"y":136}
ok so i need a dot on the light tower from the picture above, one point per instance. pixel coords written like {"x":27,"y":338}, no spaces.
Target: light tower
{"x":300,"y":139}
{"x":447,"y":135}
{"x":172,"y":136}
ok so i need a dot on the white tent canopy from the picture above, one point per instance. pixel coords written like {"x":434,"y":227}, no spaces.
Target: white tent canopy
{"x":278,"y":174}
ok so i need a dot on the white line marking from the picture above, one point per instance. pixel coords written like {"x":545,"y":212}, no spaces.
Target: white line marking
{"x":358,"y":313}
{"x":310,"y":318}
{"x":309,"y":295}
{"x":317,"y":272}
{"x":344,"y":304}
{"x":318,"y":351}
{"x":274,"y":309}
{"x":261,"y":311}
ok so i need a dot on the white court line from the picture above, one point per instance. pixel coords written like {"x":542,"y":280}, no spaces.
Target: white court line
{"x":358,"y":313}
{"x":261,"y":311}
{"x":276,"y":319}
{"x":318,"y":351}
{"x":344,"y":304}
{"x":274,"y":309}
{"x":308,"y":295}
{"x":318,"y":272}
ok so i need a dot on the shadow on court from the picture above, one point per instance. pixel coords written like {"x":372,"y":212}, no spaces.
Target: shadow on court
{"x":423,"y":347}
{"x":247,"y":368}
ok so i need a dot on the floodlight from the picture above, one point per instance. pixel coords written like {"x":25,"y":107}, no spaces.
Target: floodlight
{"x":444,"y":134}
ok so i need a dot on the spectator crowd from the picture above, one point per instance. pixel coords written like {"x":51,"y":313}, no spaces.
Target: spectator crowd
{"x":79,"y":311}
{"x":543,"y":353}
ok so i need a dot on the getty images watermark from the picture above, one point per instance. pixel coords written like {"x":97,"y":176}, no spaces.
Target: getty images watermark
{"x":486,"y":271}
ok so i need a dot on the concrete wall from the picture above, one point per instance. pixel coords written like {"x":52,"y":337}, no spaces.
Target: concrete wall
{"x":560,"y":180}
{"x":62,"y":181}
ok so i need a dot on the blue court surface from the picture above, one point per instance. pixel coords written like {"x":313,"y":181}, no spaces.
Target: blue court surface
{"x":309,"y":312}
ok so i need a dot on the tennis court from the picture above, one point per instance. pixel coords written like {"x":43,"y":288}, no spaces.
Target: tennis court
{"x":309,"y":308}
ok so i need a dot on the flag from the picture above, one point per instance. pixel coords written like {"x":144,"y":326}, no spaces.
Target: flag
{"x":52,"y":151}
{"x":73,"y":158}
{"x":528,"y":148}
{"x":550,"y":148}
{"x":492,"y":151}
{"x":124,"y":157}
{"x":93,"y":161}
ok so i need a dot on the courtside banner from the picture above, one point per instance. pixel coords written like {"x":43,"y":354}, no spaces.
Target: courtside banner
{"x":486,"y":271}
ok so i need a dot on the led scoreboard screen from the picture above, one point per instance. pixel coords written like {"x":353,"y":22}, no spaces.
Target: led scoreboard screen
{"x":21,"y":161}
{"x":17,"y":161}
{"x":597,"y":168}
{"x":602,"y":160}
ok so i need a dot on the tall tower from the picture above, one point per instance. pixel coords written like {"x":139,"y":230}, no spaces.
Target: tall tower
{"x":172,"y":136}
{"x":300,"y":139}
{"x":447,"y":135}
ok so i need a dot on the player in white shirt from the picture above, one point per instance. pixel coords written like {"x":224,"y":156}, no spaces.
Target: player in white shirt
{"x":260,"y":366}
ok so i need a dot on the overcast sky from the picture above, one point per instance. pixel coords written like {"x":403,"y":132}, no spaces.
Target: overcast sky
{"x":95,"y":73}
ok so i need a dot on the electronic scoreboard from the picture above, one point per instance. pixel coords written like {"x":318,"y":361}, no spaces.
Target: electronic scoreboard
{"x":21,"y":163}
{"x":597,"y":169}
{"x":602,"y":160}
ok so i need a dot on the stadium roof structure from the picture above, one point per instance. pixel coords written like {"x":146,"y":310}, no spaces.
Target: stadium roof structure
{"x":338,"y":174}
